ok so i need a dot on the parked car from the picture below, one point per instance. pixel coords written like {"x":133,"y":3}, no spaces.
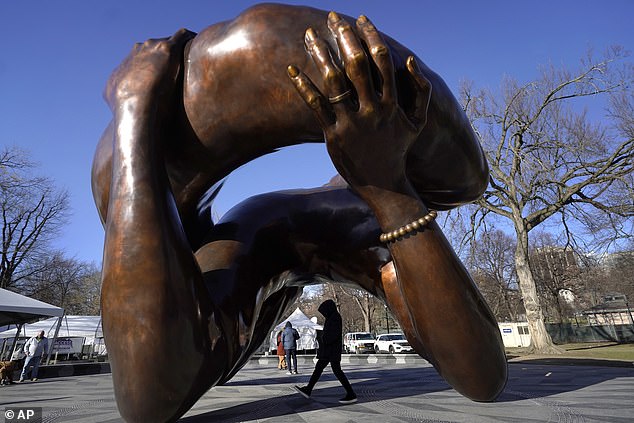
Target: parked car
{"x":358,"y":343}
{"x":392,"y":343}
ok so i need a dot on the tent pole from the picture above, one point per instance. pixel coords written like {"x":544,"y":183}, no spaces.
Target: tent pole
{"x":95,"y":338}
{"x":50,"y":346}
{"x":15,"y":339}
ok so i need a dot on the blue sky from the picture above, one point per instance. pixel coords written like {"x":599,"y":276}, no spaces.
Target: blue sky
{"x":57,"y":55}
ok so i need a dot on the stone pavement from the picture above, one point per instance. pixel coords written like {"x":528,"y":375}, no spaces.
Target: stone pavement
{"x":411,"y":391}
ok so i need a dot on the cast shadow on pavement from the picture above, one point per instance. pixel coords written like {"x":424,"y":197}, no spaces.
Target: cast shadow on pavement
{"x":525,"y":381}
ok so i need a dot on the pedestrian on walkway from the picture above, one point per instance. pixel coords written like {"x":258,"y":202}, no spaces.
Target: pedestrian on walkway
{"x":329,"y":352}
{"x":281,"y":354}
{"x":289,"y":342}
{"x":34,"y":348}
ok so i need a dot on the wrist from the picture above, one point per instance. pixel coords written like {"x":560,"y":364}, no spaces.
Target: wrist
{"x":412,"y":227}
{"x":395,"y":207}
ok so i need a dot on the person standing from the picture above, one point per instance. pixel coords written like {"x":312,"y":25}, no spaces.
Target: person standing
{"x":289,"y":342}
{"x":329,"y":352}
{"x":281,"y":354}
{"x":34,"y":348}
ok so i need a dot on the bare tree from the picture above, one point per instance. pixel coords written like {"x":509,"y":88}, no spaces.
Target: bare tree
{"x":491,"y":263}
{"x":613,"y":274}
{"x":620,"y":271}
{"x":31,"y":213}
{"x":68,"y":283}
{"x":360,"y":310}
{"x":310,"y":300}
{"x":557,"y":277}
{"x":348,"y":305}
{"x":550,"y":161}
{"x":366,"y":303}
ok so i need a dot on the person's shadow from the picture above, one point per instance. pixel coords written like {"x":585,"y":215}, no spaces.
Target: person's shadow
{"x":525,"y":381}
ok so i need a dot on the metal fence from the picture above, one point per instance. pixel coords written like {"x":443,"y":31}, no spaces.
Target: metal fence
{"x":565,"y":333}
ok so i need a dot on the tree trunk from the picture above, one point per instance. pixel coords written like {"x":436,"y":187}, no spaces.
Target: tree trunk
{"x":509,"y":306}
{"x":541,"y":342}
{"x":367,"y":313}
{"x":333,"y":292}
{"x":365,"y":307}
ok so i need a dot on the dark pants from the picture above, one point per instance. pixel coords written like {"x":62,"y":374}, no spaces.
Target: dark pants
{"x":336,"y":369}
{"x":291,"y":352}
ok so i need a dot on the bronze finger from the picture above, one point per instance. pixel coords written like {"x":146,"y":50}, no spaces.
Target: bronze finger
{"x":381,"y":56}
{"x":334,"y":79}
{"x":311,"y":95}
{"x":354,"y":58}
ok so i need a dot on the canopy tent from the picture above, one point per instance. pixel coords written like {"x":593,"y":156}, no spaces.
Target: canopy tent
{"x":16,"y":309}
{"x":88,"y":327}
{"x":306,"y":327}
{"x":68,"y":334}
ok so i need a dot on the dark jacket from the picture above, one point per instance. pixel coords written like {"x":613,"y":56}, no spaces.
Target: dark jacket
{"x":331,"y":338}
{"x":289,"y":337}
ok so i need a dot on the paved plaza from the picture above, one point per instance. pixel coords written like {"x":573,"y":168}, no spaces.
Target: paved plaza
{"x":410,"y":391}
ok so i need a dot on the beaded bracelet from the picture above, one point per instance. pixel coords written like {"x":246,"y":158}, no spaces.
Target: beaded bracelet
{"x":410,"y":227}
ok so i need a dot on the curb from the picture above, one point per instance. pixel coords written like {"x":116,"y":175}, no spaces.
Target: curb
{"x":571,"y":361}
{"x":359,"y":359}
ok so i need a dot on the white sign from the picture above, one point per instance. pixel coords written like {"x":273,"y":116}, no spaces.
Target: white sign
{"x":71,"y":345}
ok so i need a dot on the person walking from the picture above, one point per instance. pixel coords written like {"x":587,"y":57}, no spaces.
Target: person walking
{"x":281,"y":354}
{"x":289,"y":342}
{"x":34,"y":348}
{"x":329,"y":352}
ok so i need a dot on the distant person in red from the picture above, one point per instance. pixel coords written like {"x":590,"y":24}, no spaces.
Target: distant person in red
{"x":281,"y":354}
{"x":329,"y":352}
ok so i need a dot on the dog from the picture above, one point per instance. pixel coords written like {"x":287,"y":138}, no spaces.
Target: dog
{"x":6,"y":371}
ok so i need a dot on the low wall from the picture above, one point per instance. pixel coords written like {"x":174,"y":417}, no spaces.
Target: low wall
{"x":68,"y":369}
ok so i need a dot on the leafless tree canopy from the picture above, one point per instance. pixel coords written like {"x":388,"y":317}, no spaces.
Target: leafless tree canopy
{"x":548,"y":155}
{"x":491,"y":264}
{"x":554,"y":159}
{"x":68,"y":283}
{"x":558,"y":277}
{"x":360,"y":311}
{"x":32,"y":211}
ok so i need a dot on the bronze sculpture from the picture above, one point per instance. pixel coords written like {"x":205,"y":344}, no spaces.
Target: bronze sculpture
{"x":182,"y":292}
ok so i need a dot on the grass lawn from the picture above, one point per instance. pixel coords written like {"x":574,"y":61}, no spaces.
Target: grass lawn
{"x":593,"y":350}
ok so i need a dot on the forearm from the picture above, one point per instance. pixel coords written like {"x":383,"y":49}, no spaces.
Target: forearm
{"x":369,"y":137}
{"x":152,"y":295}
{"x":448,"y":314}
{"x":144,"y":247}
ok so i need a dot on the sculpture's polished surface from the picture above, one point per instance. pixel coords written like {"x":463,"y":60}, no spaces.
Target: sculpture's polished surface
{"x":182,"y":293}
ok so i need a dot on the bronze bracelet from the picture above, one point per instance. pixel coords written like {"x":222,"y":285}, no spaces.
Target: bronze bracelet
{"x":410,"y":227}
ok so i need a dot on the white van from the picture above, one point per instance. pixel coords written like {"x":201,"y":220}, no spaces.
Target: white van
{"x":358,"y":343}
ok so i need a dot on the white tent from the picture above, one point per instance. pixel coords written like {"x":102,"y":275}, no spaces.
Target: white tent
{"x":16,"y":309}
{"x":306,"y":327}
{"x":88,"y":327}
{"x":69,"y":335}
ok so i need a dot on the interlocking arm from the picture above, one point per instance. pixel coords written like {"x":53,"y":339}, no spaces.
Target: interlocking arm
{"x":154,"y":307}
{"x":368,"y":137}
